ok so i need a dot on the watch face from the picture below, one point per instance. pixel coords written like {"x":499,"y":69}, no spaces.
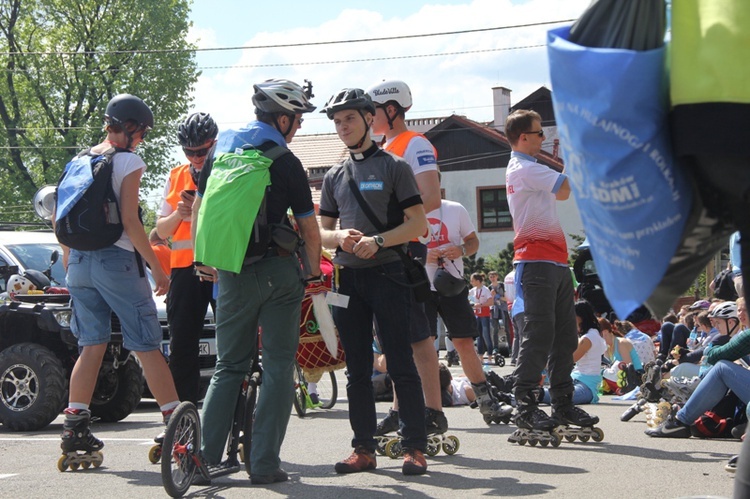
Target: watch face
{"x":379,"y":240}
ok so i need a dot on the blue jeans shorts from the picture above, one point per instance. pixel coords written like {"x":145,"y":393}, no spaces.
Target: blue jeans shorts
{"x":106,"y":281}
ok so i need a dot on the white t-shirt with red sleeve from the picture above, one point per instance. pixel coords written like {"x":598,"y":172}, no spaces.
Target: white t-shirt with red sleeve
{"x":531,"y":189}
{"x":449,"y":226}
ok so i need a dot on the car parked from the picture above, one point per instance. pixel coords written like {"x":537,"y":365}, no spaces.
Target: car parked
{"x":38,"y":350}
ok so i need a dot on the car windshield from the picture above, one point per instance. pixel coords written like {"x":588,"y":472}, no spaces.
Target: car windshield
{"x":37,"y":256}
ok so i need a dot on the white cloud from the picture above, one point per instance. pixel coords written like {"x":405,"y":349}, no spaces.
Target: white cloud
{"x":440,"y":85}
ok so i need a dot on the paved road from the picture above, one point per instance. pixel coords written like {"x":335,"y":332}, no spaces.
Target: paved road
{"x":626,"y":464}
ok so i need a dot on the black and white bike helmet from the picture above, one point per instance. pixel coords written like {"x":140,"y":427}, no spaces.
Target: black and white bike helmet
{"x":196,"y":130}
{"x":281,"y":96}
{"x":348,"y":98}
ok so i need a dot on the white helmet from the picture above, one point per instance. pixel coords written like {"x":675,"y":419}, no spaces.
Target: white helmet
{"x":391,"y":90}
{"x":18,"y":285}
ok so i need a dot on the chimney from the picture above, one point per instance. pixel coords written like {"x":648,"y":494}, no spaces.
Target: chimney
{"x":501,"y":106}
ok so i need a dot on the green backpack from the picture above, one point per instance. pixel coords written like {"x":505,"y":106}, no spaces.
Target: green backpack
{"x":233,"y":207}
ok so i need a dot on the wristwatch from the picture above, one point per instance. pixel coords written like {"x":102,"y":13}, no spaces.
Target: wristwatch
{"x":379,"y":240}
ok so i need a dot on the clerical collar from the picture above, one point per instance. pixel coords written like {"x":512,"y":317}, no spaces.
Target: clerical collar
{"x":361,"y":156}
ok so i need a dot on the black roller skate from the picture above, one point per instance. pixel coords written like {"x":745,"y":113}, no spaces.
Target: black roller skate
{"x":79,"y":446}
{"x":534,"y":427}
{"x":452,"y":358}
{"x":389,"y":424}
{"x":437,"y":425}
{"x":573,"y":422}
{"x":498,"y":358}
{"x":493,"y":411}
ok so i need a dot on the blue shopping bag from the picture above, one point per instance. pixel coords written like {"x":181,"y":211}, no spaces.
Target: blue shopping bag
{"x":611,"y":109}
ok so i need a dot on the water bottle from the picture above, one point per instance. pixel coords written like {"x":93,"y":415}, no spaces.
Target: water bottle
{"x":692,"y":340}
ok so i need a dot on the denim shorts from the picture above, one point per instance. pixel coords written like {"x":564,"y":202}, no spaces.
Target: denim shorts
{"x":106,"y":281}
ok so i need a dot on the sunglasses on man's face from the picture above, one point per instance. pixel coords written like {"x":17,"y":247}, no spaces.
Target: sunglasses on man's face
{"x":535,"y":132}
{"x":196,"y":152}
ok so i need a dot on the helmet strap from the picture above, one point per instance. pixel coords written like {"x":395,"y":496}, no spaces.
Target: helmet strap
{"x":364,"y":136}
{"x":278,"y":125}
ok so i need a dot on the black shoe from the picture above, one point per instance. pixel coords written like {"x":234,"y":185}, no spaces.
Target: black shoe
{"x":277,"y":476}
{"x":573,"y":415}
{"x":435,"y":421}
{"x":389,"y":424}
{"x":533,"y":418}
{"x":671,"y":428}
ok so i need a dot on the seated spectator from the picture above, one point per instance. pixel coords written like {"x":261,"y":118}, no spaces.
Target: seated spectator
{"x":665,"y":335}
{"x":619,"y":348}
{"x":455,"y":391}
{"x":587,"y":374}
{"x":642,"y":342}
{"x":725,"y":375}
{"x":724,"y":318}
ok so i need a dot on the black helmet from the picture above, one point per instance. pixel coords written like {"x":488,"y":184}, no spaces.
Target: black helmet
{"x":281,"y":96}
{"x":196,"y":130}
{"x":37,"y":278}
{"x":126,"y":107}
{"x":348,"y":98}
{"x":446,"y":284}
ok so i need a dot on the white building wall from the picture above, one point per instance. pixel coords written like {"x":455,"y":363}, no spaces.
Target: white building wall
{"x":462,"y":187}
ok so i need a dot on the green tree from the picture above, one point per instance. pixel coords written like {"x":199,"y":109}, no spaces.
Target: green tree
{"x":60,"y":63}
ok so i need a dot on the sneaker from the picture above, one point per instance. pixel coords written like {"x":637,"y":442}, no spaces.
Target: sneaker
{"x":414,"y":462}
{"x":732,"y":464}
{"x":277,"y":476}
{"x":360,"y":460}
{"x":670,"y":428}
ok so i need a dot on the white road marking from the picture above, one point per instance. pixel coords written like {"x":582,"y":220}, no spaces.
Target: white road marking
{"x":8,"y":476}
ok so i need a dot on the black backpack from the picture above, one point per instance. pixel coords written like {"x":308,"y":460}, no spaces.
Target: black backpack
{"x":724,"y":286}
{"x":94,"y":221}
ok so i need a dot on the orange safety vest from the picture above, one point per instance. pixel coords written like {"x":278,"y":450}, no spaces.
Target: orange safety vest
{"x":182,"y":244}
{"x":399,"y":144}
{"x":398,"y":147}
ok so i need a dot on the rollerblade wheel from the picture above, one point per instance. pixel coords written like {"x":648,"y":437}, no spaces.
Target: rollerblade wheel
{"x":451,"y":445}
{"x":393,"y":448}
{"x":598,"y":435}
{"x":556,"y":439}
{"x":533,"y":442}
{"x":154,"y":454}
{"x":499,"y":360}
{"x":570,"y":438}
{"x":583,"y":438}
{"x":380,"y":449}
{"x":432,"y":449}
{"x":62,"y":463}
{"x":488,"y":418}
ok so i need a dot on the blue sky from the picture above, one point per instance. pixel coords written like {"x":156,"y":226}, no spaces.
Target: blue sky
{"x":459,"y":83}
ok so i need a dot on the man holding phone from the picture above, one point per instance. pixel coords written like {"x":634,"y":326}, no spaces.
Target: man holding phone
{"x":190,"y":293}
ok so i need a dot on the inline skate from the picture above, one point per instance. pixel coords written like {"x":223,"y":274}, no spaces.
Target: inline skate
{"x":437,"y":425}
{"x":534,"y":427}
{"x":390,"y":424}
{"x":452,"y":358}
{"x":493,"y":411}
{"x":79,"y":446}
{"x":573,"y":422}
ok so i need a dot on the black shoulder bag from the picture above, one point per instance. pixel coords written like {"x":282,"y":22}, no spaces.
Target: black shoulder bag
{"x":414,"y":268}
